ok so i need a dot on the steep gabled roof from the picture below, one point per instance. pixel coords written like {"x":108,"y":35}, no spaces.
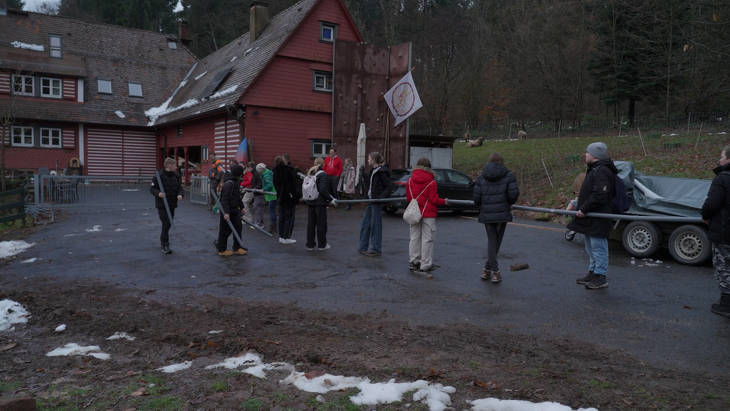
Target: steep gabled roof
{"x":230,"y":70}
{"x":92,"y":51}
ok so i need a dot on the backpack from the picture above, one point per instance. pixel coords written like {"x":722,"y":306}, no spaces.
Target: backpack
{"x":621,"y":201}
{"x":309,"y":187}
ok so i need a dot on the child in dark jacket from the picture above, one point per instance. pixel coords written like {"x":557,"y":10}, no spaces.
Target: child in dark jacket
{"x":173,"y":191}
{"x":317,"y":213}
{"x":231,"y":205}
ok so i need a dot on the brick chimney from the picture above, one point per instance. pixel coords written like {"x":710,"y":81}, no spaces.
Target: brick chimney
{"x":183,"y":32}
{"x":259,"y":18}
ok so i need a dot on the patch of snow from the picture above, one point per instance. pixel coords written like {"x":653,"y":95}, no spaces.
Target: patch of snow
{"x":119,"y":114}
{"x":162,"y":110}
{"x":61,"y":328}
{"x":199,"y":76}
{"x":222,"y":105}
{"x":21,"y":45}
{"x":11,"y":248}
{"x":75,"y":349}
{"x":96,"y":228}
{"x":495,"y":404}
{"x":11,"y":313}
{"x":212,"y":331}
{"x":224,"y":93}
{"x":118,"y":230}
{"x":674,"y":134}
{"x":30,"y":260}
{"x":119,"y":335}
{"x":176,"y":367}
{"x":71,"y":235}
{"x":235,"y":362}
{"x":178,"y":7}
{"x":233,"y":58}
{"x":245,"y":53}
{"x":722,"y":133}
{"x":130,"y":189}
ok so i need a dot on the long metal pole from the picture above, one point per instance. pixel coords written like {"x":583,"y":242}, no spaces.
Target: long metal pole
{"x":627,"y":217}
{"x":230,"y":224}
{"x":164,"y":199}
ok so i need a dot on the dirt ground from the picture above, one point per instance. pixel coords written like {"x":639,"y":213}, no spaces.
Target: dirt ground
{"x":479,"y":363}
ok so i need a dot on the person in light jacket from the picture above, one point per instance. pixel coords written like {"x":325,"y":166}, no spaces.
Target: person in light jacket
{"x":494,"y":193}
{"x":422,"y":186}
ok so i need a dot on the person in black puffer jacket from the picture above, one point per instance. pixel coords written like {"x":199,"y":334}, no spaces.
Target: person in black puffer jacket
{"x":596,"y":196}
{"x":171,"y":189}
{"x":285,"y":183}
{"x":317,"y":213}
{"x":716,"y":213}
{"x":494,"y":193}
{"x":231,"y":205}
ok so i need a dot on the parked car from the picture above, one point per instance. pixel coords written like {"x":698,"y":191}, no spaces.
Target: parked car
{"x":452,"y":184}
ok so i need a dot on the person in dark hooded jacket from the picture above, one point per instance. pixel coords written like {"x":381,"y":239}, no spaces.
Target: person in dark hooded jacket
{"x":423,"y":187}
{"x":596,"y":196}
{"x":494,"y":193}
{"x":317,"y":208}
{"x":171,"y":189}
{"x":231,"y":205}
{"x":716,"y":213}
{"x":285,"y":183}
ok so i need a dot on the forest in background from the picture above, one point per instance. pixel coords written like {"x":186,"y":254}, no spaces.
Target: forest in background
{"x":493,"y":66}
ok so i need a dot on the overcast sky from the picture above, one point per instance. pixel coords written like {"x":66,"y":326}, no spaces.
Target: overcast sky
{"x":32,"y":5}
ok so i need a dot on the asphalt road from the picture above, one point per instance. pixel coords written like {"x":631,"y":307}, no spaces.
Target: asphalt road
{"x":659,"y":314}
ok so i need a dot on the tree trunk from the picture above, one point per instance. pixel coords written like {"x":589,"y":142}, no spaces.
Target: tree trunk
{"x":669,"y":65}
{"x":632,"y":111}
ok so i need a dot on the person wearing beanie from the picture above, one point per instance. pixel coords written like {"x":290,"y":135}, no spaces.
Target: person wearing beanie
{"x":596,"y":196}
{"x":173,"y":191}
{"x":231,"y":205}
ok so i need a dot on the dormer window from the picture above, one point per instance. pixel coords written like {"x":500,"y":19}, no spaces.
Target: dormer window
{"x":50,"y":87}
{"x":327,"y":32}
{"x":55,"y":48}
{"x":104,"y":86}
{"x":135,"y":90}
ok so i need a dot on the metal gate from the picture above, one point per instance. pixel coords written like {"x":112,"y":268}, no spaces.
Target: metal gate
{"x":199,"y":189}
{"x":94,"y":191}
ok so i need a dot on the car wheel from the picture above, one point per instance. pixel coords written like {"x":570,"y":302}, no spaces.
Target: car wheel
{"x":689,"y":244}
{"x":641,"y":238}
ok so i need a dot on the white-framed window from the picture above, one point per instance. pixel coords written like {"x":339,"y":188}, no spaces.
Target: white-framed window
{"x":172,"y":44}
{"x":51,"y":87}
{"x":104,"y":86}
{"x":51,"y":137}
{"x":321,"y":148}
{"x":23,"y":85}
{"x":22,"y":136}
{"x":55,"y":42}
{"x":327,"y":32}
{"x":135,"y":90}
{"x":322,"y":81}
{"x":203,"y":153}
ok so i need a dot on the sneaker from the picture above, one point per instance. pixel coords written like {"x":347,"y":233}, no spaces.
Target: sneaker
{"x":166,"y":249}
{"x":242,"y":251}
{"x":372,"y":254}
{"x":586,"y":279}
{"x":309,"y":248}
{"x":282,"y":240}
{"x":496,"y":277}
{"x":723,"y":307}
{"x":290,"y":241}
{"x":414,"y":266}
{"x":486,"y":274}
{"x":226,"y":253}
{"x":598,"y":281}
{"x":429,"y":268}
{"x":326,"y":247}
{"x":363,"y":252}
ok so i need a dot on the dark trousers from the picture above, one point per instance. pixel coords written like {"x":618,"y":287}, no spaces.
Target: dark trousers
{"x":224,"y":231}
{"x":286,"y":220}
{"x":317,"y":220}
{"x":272,"y":215}
{"x":334,"y":181}
{"x":166,"y":224}
{"x":495,"y":233}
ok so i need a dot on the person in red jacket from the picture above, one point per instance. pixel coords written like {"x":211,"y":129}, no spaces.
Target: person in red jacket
{"x":422,"y":186}
{"x":333,"y":167}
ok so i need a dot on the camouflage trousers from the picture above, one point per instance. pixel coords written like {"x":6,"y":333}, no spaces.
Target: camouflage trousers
{"x":721,"y":261}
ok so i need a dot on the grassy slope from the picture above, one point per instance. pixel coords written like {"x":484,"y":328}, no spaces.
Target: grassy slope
{"x":680,"y":155}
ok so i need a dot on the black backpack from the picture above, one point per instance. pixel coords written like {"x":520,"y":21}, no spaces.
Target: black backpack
{"x":621,"y":201}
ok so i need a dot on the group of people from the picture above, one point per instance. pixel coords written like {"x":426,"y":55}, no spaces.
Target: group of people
{"x":495,"y":191}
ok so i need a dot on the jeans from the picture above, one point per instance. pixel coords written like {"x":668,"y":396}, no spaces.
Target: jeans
{"x":597,"y":250}
{"x":286,"y":220}
{"x":317,"y":220}
{"x":420,"y":246}
{"x":224,"y":231}
{"x":272,"y":214}
{"x":721,"y":261}
{"x":371,"y":229}
{"x":495,"y":234}
{"x":166,"y":224}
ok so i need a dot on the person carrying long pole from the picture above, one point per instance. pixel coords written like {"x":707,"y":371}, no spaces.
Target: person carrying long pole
{"x":167,"y":189}
{"x":229,"y":206}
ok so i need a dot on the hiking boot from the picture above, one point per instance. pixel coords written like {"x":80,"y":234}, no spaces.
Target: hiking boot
{"x":598,"y":281}
{"x":496,"y":276}
{"x":363,"y":252}
{"x":226,"y":253}
{"x":166,"y":249}
{"x":414,"y":266}
{"x":486,"y":274}
{"x":372,"y":254}
{"x":723,"y":307}
{"x":586,"y":279}
{"x":242,"y":251}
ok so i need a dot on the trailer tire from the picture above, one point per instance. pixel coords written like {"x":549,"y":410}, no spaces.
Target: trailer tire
{"x":689,"y":244}
{"x":641,"y":238}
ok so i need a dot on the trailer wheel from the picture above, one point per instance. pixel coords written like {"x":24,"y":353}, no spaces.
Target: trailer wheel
{"x":641,"y":238}
{"x":689,"y":244}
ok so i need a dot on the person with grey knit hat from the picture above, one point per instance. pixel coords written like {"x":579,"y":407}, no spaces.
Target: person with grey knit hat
{"x":596,"y":196}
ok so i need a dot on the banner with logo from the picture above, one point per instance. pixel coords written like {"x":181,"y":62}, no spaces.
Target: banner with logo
{"x":403,"y":99}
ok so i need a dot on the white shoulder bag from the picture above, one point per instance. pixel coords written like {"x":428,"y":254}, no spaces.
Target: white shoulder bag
{"x":412,"y":214}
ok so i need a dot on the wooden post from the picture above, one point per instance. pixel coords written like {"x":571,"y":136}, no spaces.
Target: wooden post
{"x":697,"y":142}
{"x":642,"y":141}
{"x":546,"y":173}
{"x":689,"y":117}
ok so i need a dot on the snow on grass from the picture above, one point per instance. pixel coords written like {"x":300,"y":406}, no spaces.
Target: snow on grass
{"x":121,"y":335}
{"x":119,"y":114}
{"x":494,"y":404}
{"x":30,"y":260}
{"x":60,"y":328}
{"x":119,"y":230}
{"x":199,"y":76}
{"x":176,"y":367}
{"x":223,"y":93}
{"x":96,"y":228}
{"x":212,"y":331}
{"x":12,"y":313}
{"x":21,"y":45}
{"x":11,"y":248}
{"x":235,"y":362}
{"x":75,"y":349}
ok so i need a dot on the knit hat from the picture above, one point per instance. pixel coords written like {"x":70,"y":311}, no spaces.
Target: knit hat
{"x":260,"y":167}
{"x":598,"y":150}
{"x":237,"y":171}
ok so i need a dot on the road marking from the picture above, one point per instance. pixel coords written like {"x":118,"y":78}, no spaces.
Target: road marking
{"x":538,"y":227}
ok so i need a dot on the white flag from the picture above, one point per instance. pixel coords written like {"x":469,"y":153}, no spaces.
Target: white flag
{"x":403,"y":99}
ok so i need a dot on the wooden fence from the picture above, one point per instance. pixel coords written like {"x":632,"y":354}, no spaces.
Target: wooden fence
{"x":12,"y":205}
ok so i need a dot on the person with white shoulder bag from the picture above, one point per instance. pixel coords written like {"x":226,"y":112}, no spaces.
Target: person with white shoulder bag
{"x":423,"y":200}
